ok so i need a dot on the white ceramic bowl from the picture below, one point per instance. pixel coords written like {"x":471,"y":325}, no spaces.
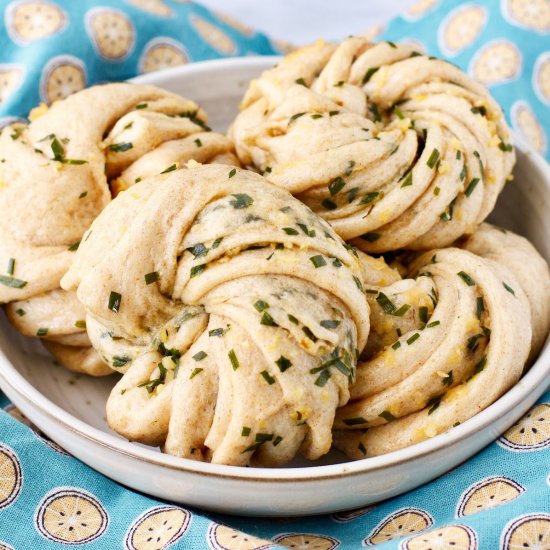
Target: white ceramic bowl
{"x":71,"y":409}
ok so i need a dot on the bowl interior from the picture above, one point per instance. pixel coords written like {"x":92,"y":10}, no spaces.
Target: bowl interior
{"x":218,"y":87}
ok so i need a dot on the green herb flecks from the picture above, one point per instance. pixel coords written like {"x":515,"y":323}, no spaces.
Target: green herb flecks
{"x":355,"y":421}
{"x":267,"y":377}
{"x":318,"y":261}
{"x":121,"y":147}
{"x":283,"y":363}
{"x":199,"y":356}
{"x":241,"y":200}
{"x":433,"y":158}
{"x":466,"y":278}
{"x":114,"y":301}
{"x":387,"y":415}
{"x":233,"y":358}
{"x":370,"y":71}
{"x":120,"y":360}
{"x":152,"y":277}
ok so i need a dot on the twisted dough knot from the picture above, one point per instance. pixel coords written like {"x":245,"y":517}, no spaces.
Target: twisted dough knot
{"x":394,"y":147}
{"x":55,"y":175}
{"x":233,"y":310}
{"x":446,"y":342}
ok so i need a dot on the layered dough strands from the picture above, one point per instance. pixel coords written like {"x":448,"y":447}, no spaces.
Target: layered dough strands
{"x":445,"y":342}
{"x":233,"y":310}
{"x":59,"y":172}
{"x":395,"y":149}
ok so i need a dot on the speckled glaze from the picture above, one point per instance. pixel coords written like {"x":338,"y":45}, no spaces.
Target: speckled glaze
{"x":71,"y":409}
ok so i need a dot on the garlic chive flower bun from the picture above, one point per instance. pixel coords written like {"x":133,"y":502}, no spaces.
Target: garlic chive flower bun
{"x":446,"y":341}
{"x":234,"y":312}
{"x":395,"y":149}
{"x":59,"y":172}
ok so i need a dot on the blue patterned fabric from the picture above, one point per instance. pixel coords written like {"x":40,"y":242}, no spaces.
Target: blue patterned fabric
{"x":498,"y":499}
{"x":51,"y":48}
{"x":505,"y":44}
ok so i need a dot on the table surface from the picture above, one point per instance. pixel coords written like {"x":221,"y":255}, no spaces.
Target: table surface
{"x":303,"y":21}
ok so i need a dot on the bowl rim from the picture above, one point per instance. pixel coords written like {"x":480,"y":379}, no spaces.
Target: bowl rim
{"x":534,"y":382}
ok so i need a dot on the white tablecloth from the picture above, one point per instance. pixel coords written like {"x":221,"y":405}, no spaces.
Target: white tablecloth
{"x":303,"y":21}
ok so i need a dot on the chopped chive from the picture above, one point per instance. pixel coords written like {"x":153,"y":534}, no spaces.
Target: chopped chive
{"x":307,"y":331}
{"x":267,"y":320}
{"x":408,"y":180}
{"x":448,"y":380}
{"x":41,"y":332}
{"x":283,"y":363}
{"x":81,"y":323}
{"x":316,"y":116}
{"x":433,"y":324}
{"x":402,"y":310}
{"x":432,"y":160}
{"x":277,"y":440}
{"x":479,"y":111}
{"x":480,"y":306}
{"x":246,"y":431}
{"x":466,"y":278}
{"x":387,"y":415}
{"x":114,"y":301}
{"x":433,"y":404}
{"x":290,"y":231}
{"x":369,"y":73}
{"x":328,"y":204}
{"x":120,"y":360}
{"x":197,"y":270}
{"x":337,"y":263}
{"x":170,"y":168}
{"x":83,"y":194}
{"x":120,"y":147}
{"x":196,"y":371}
{"x":396,"y":345}
{"x":74,"y":246}
{"x":391,"y":44}
{"x":437,"y":190}
{"x":198,"y":250}
{"x":217,"y":243}
{"x":472,"y":344}
{"x":385,"y":303}
{"x":323,"y":378}
{"x":142,"y":106}
{"x":295,"y":117}
{"x":268,"y":170}
{"x":371,"y":236}
{"x":376,"y":116}
{"x":354,"y":421}
{"x":423,"y":314}
{"x":233,"y":358}
{"x":336,"y":185}
{"x":350,"y":167}
{"x":358,"y":283}
{"x":413,"y":338}
{"x":458,"y":154}
{"x":505,"y":147}
{"x":199,"y":356}
{"x":301,"y":81}
{"x":339,"y":84}
{"x":151,"y":277}
{"x":267,"y":377}
{"x":198,"y":142}
{"x":333,"y":113}
{"x":329,"y":324}
{"x":260,"y":305}
{"x":215,"y":332}
{"x":399,"y":113}
{"x":20,"y":312}
{"x":11,"y":266}
{"x":480,"y":365}
{"x":369,"y":197}
{"x":508,"y":288}
{"x":232,"y":172}
{"x":415,"y":54}
{"x":471,"y":186}
{"x":293,"y":319}
{"x":242,"y":200}
{"x":318,"y":261}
